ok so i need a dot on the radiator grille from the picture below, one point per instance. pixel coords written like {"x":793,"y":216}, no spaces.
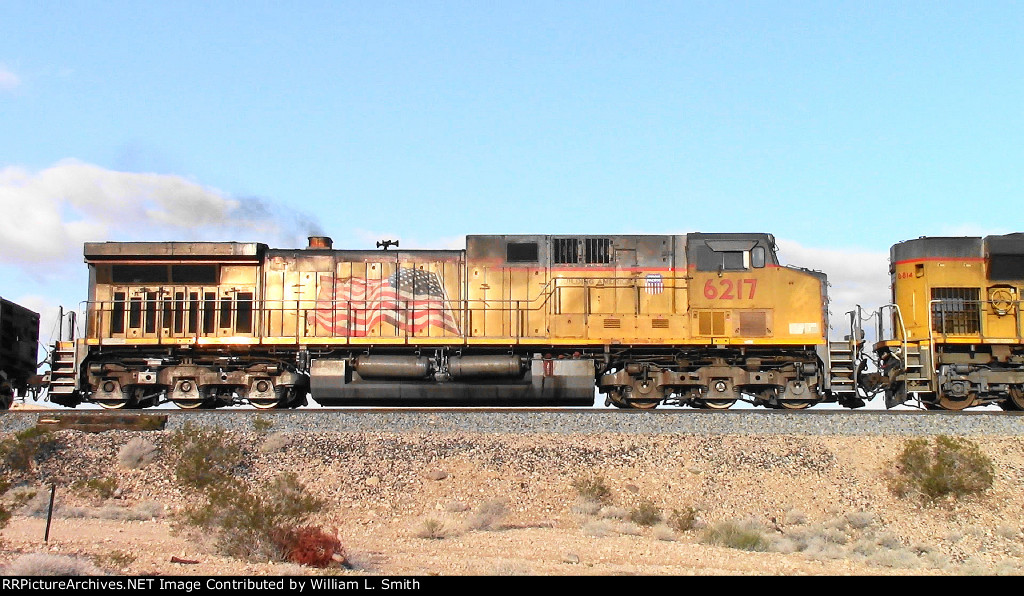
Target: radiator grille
{"x":957,"y":311}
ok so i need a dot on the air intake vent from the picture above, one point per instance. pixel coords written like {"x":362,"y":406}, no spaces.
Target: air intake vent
{"x":659,"y":324}
{"x":612,"y":323}
{"x":711,"y":323}
{"x":591,"y":251}
{"x":565,"y":251}
{"x":597,"y":250}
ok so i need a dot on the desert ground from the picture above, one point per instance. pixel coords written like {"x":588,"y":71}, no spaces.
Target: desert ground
{"x":422,"y":504}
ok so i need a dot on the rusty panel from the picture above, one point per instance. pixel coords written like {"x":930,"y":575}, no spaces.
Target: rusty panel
{"x":135,"y":251}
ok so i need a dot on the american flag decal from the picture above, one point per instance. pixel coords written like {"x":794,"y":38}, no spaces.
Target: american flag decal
{"x":410,"y":299}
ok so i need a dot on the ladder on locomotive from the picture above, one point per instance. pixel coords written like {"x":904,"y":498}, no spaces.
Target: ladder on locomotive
{"x":62,"y":380}
{"x":913,"y":370}
{"x":63,"y":377}
{"x":845,"y":359}
{"x":849,"y":359}
{"x":843,"y":369}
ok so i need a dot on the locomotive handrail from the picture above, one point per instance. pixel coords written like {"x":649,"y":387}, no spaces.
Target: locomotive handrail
{"x":982,"y":321}
{"x":897,"y":316}
{"x":157,"y":316}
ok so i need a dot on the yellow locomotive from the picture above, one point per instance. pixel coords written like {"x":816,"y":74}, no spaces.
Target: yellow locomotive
{"x":952,"y":336}
{"x":696,"y":319}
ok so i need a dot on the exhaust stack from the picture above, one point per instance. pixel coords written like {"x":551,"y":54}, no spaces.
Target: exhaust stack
{"x":320,"y":242}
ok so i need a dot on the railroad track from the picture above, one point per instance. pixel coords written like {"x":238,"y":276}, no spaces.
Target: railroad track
{"x":559,"y":421}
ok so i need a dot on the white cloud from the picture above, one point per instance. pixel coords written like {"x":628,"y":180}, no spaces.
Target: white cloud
{"x":855,"y":277}
{"x":8,"y":80}
{"x":57,"y":209}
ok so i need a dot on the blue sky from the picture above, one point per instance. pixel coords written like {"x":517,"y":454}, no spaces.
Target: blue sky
{"x":839,"y":127}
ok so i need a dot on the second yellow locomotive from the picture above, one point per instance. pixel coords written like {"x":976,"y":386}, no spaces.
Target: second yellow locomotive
{"x":696,"y":319}
{"x":952,"y":335}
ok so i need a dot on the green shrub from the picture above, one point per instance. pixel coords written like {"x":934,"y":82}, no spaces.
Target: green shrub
{"x":593,"y":488}
{"x":646,"y":514}
{"x":432,"y":529}
{"x":261,"y":425}
{"x":5,"y":511}
{"x":26,"y":447}
{"x":203,"y":457}
{"x":245,"y":521}
{"x":951,"y":467}
{"x":102,"y":487}
{"x":737,"y":535}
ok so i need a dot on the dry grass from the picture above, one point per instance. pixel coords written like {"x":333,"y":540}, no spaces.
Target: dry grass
{"x":41,"y":564}
{"x":137,"y":453}
{"x":431,"y":528}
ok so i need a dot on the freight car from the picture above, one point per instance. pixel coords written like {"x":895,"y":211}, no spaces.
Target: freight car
{"x":698,"y":319}
{"x":19,"y":346}
{"x":951,"y":338}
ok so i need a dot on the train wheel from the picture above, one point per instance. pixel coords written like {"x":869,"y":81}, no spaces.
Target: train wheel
{"x":714,"y":404}
{"x":615,"y":398}
{"x":1014,"y":401}
{"x":189,"y":404}
{"x":643,"y":404}
{"x":127,"y":401}
{"x":113,"y":404}
{"x":6,"y":397}
{"x":643,"y":395}
{"x":788,"y":404}
{"x":955,"y":403}
{"x":265,"y":404}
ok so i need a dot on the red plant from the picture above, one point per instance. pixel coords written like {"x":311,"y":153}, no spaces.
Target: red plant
{"x":311,"y":546}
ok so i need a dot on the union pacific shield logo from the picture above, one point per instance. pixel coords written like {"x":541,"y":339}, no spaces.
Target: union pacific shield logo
{"x":655,"y":284}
